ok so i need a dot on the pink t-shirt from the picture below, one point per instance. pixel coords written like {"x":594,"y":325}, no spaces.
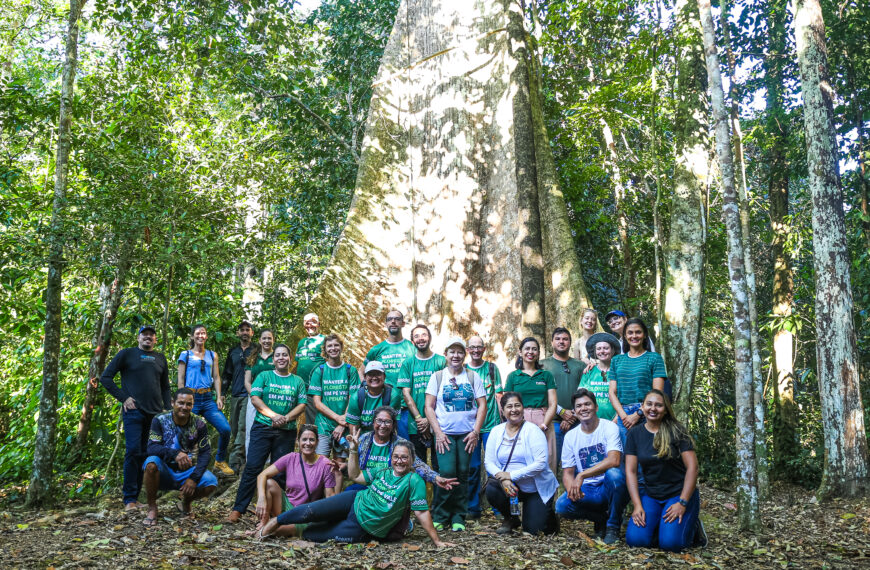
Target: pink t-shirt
{"x":319,"y":477}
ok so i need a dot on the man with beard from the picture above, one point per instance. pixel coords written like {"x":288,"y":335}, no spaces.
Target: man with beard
{"x":308,"y":357}
{"x":413,"y":378}
{"x":392,"y":353}
{"x":144,"y":393}
{"x":234,"y":383}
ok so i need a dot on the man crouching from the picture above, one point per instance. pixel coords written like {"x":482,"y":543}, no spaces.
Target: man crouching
{"x":178,"y":454}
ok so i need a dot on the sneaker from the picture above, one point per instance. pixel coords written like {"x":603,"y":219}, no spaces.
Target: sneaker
{"x":223,"y":468}
{"x":438,"y":526}
{"x":700,"y":539}
{"x":458,"y":527}
{"x":611,"y":536}
{"x":508,"y":525}
{"x":410,"y":526}
{"x":600,"y":529}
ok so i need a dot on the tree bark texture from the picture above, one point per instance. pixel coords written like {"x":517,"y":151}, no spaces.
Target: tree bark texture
{"x":747,"y":475}
{"x":111,"y":294}
{"x":42,"y":473}
{"x":612,"y":164}
{"x":845,"y":472}
{"x":785,"y":442}
{"x":457,"y":218}
{"x":684,"y":255}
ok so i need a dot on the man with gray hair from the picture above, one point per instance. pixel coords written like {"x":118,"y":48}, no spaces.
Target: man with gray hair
{"x":308,"y":357}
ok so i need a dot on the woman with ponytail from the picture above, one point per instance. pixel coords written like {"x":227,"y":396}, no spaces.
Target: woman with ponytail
{"x":669,"y":504}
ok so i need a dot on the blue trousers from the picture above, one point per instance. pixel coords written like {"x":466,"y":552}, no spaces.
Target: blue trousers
{"x":137,"y":427}
{"x":603,"y":502}
{"x":475,"y":485}
{"x":173,"y":480}
{"x":671,"y":536}
{"x":332,"y":518}
{"x":205,"y":406}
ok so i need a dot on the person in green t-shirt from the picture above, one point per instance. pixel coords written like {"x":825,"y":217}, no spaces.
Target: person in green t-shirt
{"x":309,"y":357}
{"x":491,"y":377}
{"x":377,"y":512}
{"x":369,"y":397}
{"x":279,"y":398}
{"x":258,"y":361}
{"x":602,"y":347}
{"x":332,"y":385}
{"x":413,"y":378}
{"x":538,"y":391}
{"x":393,"y":351}
{"x":566,"y":373}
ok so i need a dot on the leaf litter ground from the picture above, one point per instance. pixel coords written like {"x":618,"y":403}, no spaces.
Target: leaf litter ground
{"x":797,"y":533}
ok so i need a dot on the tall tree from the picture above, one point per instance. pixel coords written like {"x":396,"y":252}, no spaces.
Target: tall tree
{"x":46,"y":434}
{"x":785,"y":443}
{"x":747,"y":472}
{"x":845,"y":472}
{"x":684,"y":256}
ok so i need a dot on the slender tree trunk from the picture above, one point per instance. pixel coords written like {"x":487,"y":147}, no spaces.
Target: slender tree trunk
{"x":42,"y":474}
{"x":112,"y":295}
{"x":747,"y":474}
{"x":612,"y":163}
{"x":785,"y":443}
{"x":743,"y":196}
{"x":858,"y":118}
{"x":684,"y":256}
{"x":837,"y":356}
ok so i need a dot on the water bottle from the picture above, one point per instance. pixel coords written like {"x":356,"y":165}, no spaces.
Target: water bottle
{"x":515,"y":505}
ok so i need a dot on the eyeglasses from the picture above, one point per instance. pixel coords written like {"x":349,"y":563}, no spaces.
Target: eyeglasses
{"x":396,"y":319}
{"x":202,"y":365}
{"x":383,"y":422}
{"x":470,"y":348}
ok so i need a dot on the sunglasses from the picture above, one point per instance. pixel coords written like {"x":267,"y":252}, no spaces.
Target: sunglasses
{"x":565,"y":368}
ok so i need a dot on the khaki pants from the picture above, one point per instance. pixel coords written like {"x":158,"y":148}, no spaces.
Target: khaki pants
{"x":536,"y":416}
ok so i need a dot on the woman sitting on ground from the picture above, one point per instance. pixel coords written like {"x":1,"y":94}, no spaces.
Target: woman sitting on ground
{"x":367,"y":514}
{"x":669,"y":504}
{"x":376,"y":450}
{"x":516,"y":454}
{"x":306,"y":475}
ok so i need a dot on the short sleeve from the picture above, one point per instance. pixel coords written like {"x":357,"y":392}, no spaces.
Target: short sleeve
{"x":328,"y":475}
{"x":281,"y":464}
{"x":569,"y":459}
{"x":686,"y":444}
{"x":301,"y":398}
{"x":631,"y":443}
{"x":658,"y":369}
{"x":418,"y":493}
{"x":404,"y":378}
{"x":182,"y":357}
{"x":613,"y":373}
{"x":551,"y":382}
{"x":368,"y":476}
{"x":257,"y":386}
{"x":613,"y":442}
{"x":396,"y":399}
{"x":477,"y":385}
{"x":315,"y":386}
{"x":353,"y":412}
{"x":508,"y":385}
{"x":432,"y":386}
{"x":496,"y":376}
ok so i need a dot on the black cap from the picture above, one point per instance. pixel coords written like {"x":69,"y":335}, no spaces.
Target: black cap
{"x":144,"y":328}
{"x":243,"y":323}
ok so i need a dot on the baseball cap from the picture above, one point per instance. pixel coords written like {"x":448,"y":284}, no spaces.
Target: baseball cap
{"x":614,"y":314}
{"x":374,"y":365}
{"x":453,"y":341}
{"x":144,"y":328}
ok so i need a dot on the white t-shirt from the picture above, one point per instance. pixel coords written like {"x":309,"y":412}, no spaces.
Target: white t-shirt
{"x":455,"y":402}
{"x":583,"y":450}
{"x":518,"y":460}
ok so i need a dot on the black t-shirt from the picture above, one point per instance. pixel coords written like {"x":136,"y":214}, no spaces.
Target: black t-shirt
{"x":144,"y":376}
{"x":234,"y":370}
{"x":664,"y":477}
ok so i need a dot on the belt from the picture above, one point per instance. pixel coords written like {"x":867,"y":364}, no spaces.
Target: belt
{"x":201,"y":390}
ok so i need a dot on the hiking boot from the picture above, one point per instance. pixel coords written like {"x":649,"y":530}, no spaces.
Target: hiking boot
{"x":700,"y":539}
{"x":611,"y":536}
{"x":508,"y":525}
{"x":223,"y":468}
{"x":458,"y":527}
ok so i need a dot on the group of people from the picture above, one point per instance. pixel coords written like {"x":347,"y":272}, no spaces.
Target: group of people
{"x":369,"y":443}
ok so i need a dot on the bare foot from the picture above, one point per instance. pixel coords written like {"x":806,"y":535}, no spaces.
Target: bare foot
{"x":134,"y":506}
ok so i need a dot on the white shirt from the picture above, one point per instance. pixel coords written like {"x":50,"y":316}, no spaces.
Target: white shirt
{"x":583,"y":450}
{"x":456,"y":400}
{"x":529,"y":462}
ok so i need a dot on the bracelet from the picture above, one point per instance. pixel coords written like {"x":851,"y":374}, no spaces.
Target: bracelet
{"x":353,"y":451}
{"x":418,"y":417}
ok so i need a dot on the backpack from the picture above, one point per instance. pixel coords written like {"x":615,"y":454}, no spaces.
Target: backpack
{"x":347,"y":371}
{"x":385,"y":396}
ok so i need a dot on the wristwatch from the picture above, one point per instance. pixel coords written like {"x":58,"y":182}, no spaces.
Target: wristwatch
{"x":683,"y":502}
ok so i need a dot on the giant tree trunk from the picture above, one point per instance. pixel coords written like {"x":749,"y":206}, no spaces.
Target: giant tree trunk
{"x":747,"y":474}
{"x":42,"y":473}
{"x":839,"y":384}
{"x":111,"y":294}
{"x":612,"y":164}
{"x":785,"y":442}
{"x":457,"y":218}
{"x":684,"y":256}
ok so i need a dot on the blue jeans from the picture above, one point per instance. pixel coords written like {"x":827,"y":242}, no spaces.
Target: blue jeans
{"x":673,"y":536}
{"x":137,"y":428}
{"x":332,"y":518}
{"x":603,"y":502}
{"x":475,"y":486}
{"x":560,"y":438}
{"x":205,"y":406}
{"x":402,"y":423}
{"x":623,"y":433}
{"x":171,"y":480}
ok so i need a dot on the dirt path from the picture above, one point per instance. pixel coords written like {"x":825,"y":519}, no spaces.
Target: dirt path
{"x":798,"y":533}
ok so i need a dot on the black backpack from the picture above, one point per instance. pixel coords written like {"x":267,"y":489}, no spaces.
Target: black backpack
{"x":385,"y":396}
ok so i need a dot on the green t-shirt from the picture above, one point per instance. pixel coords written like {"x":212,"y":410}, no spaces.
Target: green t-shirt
{"x":597,"y":383}
{"x":335,"y":386}
{"x":634,"y":375}
{"x":533,"y":389}
{"x":364,"y":418}
{"x":391,"y":356}
{"x":415,"y":374}
{"x":491,"y":382}
{"x":261,"y":365}
{"x":378,"y":457}
{"x":280,"y":393}
{"x":308,"y":356}
{"x":383,"y":504}
{"x":566,"y":382}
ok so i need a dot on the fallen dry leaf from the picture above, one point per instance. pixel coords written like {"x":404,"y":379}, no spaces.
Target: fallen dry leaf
{"x":458,"y":560}
{"x":566,"y":561}
{"x":411,"y":547}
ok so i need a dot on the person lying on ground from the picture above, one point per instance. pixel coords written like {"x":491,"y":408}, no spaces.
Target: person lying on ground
{"x":178,"y":454}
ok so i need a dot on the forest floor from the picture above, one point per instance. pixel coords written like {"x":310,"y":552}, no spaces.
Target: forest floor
{"x":797,"y":532}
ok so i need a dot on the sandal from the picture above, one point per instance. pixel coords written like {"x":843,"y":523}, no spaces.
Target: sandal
{"x":180,"y":507}
{"x":149,"y":522}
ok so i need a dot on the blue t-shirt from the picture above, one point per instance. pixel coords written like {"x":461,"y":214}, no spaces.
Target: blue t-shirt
{"x":197,"y":375}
